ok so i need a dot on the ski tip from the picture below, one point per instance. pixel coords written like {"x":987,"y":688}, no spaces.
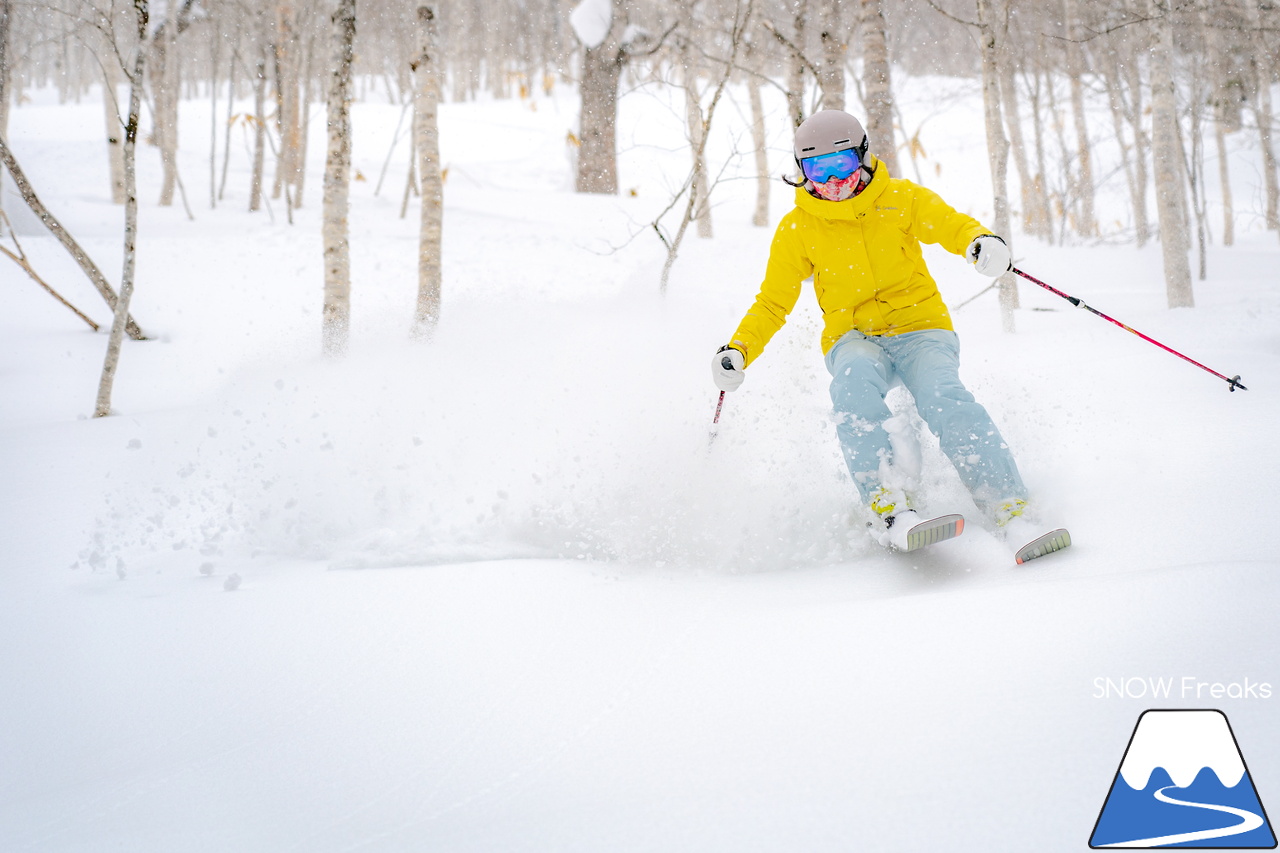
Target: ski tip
{"x":1054,"y":540}
{"x":934,"y":530}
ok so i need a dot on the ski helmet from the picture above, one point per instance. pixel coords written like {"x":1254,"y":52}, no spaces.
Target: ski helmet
{"x":829,"y":131}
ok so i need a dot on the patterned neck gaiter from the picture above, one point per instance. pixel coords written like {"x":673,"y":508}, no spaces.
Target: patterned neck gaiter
{"x":839,"y":189}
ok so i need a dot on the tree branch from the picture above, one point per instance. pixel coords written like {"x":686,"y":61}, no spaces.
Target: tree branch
{"x":20,"y":258}
{"x":789,"y":45}
{"x":68,"y":242}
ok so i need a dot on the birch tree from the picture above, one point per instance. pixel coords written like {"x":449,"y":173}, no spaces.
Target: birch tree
{"x":1082,"y":175}
{"x":259,"y":121}
{"x":120,"y":319}
{"x":997,"y":152}
{"x":1033,"y":214}
{"x":877,"y":89}
{"x":1219,"y":99}
{"x":337,"y":178}
{"x":1134,"y":173}
{"x":6,"y":23}
{"x":689,"y":66}
{"x":111,"y":78}
{"x":833,"y":44}
{"x":742,"y":15}
{"x":599,"y":26}
{"x":428,"y":70}
{"x":1141,"y":148}
{"x":165,"y":92}
{"x":1174,"y":242}
{"x":1263,"y":112}
{"x":759,"y":142}
{"x":286,"y":51}
{"x":792,"y":36}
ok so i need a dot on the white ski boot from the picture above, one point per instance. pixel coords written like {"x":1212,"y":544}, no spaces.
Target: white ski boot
{"x":1025,"y":535}
{"x":900,"y":527}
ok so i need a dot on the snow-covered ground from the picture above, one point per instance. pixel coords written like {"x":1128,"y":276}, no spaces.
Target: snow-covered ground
{"x":497,"y":593}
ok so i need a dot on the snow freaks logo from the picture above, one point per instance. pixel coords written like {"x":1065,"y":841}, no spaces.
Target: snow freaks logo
{"x":1183,"y":783}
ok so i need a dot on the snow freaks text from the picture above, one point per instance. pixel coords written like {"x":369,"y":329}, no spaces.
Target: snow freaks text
{"x":1184,"y":687}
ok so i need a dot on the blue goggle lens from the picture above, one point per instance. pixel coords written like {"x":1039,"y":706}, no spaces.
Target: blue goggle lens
{"x":824,"y":167}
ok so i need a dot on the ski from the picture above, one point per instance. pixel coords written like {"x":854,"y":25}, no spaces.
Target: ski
{"x":934,"y":530}
{"x":1054,"y":540}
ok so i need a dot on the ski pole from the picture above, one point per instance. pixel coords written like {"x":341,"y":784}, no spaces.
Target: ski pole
{"x":1233,"y":382}
{"x":715,"y":422}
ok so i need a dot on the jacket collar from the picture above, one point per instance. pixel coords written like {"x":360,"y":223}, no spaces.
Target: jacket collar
{"x":849,"y":208}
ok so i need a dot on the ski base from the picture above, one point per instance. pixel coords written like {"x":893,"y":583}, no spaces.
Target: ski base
{"x":1054,"y":540}
{"x":934,"y":530}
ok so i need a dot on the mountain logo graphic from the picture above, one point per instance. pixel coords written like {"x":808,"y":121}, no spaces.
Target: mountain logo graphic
{"x":1183,"y":783}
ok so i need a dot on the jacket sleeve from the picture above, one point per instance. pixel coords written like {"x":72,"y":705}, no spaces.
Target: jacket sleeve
{"x":935,"y":221}
{"x":788,"y":267}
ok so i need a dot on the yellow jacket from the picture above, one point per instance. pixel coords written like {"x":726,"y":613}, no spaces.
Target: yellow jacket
{"x":865,"y":258}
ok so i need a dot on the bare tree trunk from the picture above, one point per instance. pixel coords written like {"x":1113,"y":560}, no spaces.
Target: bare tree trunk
{"x":6,"y":25}
{"x":68,"y":242}
{"x":1165,"y":154}
{"x":1262,"y":112}
{"x":878,"y":87}
{"x":410,"y":179}
{"x":1040,"y":190}
{"x":1005,"y":63}
{"x":1218,"y":98}
{"x":796,"y":64}
{"x":831,"y":36}
{"x":215,"y":56}
{"x":337,"y":177}
{"x":998,"y":153}
{"x":693,"y":123}
{"x":115,"y":131}
{"x":1195,"y":173}
{"x":1115,"y":100}
{"x":287,"y":71}
{"x":740,"y":25}
{"x":259,"y":130}
{"x":165,"y":82}
{"x":102,"y":407}
{"x":759,"y":142}
{"x":1142,"y":225}
{"x":598,"y":117}
{"x":305,"y":121}
{"x":231,"y":103}
{"x":1086,"y":223}
{"x":428,"y":70}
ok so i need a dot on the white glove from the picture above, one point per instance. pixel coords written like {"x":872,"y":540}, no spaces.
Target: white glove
{"x":989,"y":255}
{"x":727,"y":367}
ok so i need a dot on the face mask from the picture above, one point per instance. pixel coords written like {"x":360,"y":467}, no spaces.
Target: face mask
{"x":836,"y":189}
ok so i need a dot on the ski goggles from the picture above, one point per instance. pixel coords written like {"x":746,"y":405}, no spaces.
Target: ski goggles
{"x":824,"y":167}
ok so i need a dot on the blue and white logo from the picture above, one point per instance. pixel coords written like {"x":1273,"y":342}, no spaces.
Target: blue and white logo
{"x":1183,"y":783}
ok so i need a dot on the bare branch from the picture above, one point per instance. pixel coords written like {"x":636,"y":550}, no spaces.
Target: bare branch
{"x":20,"y":258}
{"x":68,"y":242}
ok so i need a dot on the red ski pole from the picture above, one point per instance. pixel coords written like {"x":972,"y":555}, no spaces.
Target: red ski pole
{"x":1233,"y":382}
{"x":715,"y":422}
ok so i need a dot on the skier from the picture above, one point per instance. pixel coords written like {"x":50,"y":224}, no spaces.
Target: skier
{"x":857,"y":231}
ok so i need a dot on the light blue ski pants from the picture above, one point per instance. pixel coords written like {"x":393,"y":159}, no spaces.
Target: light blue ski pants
{"x":862,"y":369}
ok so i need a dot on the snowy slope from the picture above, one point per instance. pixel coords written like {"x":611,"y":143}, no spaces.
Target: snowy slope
{"x":496,"y":592}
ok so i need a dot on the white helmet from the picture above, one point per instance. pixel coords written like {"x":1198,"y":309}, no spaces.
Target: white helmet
{"x":829,"y":131}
